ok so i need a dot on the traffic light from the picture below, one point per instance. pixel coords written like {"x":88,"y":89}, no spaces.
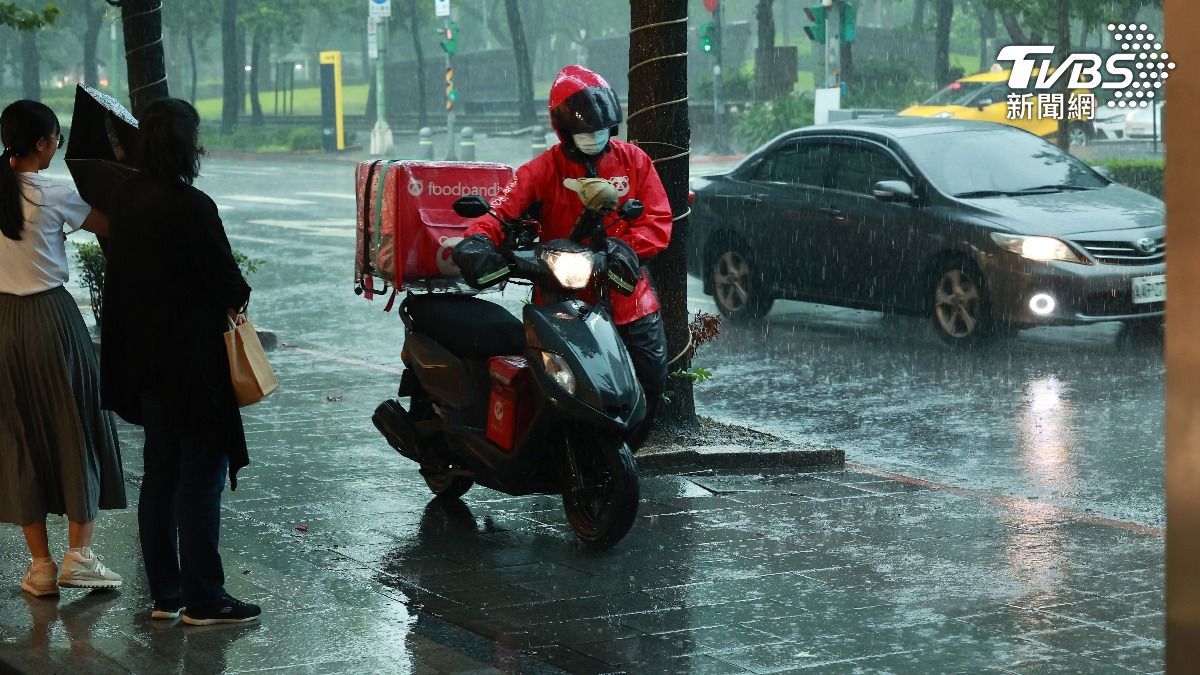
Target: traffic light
{"x":451,"y":92}
{"x":848,"y":22}
{"x":450,"y":38}
{"x":815,"y":32}
{"x":708,"y":38}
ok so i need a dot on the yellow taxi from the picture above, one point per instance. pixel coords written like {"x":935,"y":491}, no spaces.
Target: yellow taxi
{"x":984,"y":97}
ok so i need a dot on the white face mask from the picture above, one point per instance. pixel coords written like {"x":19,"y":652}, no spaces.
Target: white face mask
{"x":591,"y":144}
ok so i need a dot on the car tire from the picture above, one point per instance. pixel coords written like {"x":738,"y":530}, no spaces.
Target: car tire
{"x":737,"y":293}
{"x":960,"y":311}
{"x":1078,"y":135}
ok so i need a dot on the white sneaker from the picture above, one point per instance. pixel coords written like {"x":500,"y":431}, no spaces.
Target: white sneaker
{"x":86,"y":570}
{"x":39,"y":579}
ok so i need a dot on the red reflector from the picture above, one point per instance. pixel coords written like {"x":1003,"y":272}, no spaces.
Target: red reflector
{"x":691,"y":197}
{"x":955,"y":85}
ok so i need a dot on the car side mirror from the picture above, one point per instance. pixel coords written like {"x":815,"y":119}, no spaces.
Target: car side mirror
{"x":1104,"y":171}
{"x":631,"y":210}
{"x":894,"y":191}
{"x":471,"y":206}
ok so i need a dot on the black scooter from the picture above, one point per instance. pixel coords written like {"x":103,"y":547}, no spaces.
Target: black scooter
{"x":552,"y":422}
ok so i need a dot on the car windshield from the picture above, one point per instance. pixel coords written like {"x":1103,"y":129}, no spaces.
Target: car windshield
{"x":957,"y":93}
{"x":997,"y":161}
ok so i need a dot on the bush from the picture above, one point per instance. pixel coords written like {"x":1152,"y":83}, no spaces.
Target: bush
{"x":305,"y":139}
{"x":763,"y":121}
{"x":246,"y":138}
{"x":736,"y":85}
{"x":1140,"y":174}
{"x":886,"y":83}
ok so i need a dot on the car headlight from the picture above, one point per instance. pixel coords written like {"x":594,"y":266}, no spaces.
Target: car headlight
{"x":1037,"y":248}
{"x":571,"y":269}
{"x":560,"y":371}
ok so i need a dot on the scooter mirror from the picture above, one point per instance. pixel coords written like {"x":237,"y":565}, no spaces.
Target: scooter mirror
{"x":631,"y":209}
{"x":471,"y":206}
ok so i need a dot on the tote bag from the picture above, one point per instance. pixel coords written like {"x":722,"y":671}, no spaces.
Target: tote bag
{"x":249,"y":369}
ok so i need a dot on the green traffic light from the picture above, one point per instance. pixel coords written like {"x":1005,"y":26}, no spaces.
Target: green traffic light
{"x":708,"y":38}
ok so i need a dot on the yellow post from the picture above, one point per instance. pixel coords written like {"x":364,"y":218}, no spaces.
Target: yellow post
{"x":334,"y":59}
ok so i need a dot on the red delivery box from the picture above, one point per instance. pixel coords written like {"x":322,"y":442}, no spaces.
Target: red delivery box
{"x":509,"y":412}
{"x":407,"y":226}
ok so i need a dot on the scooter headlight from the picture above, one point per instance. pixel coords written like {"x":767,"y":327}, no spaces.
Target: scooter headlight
{"x":572,"y":269}
{"x":560,"y":371}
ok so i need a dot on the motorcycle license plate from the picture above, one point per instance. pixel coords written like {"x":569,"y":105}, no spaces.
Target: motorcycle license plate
{"x":1150,"y":289}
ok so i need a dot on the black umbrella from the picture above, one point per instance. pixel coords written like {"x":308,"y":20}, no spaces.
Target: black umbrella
{"x":103,"y":150}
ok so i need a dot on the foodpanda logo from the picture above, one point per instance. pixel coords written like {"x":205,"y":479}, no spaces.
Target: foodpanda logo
{"x":445,"y":256}
{"x":621,"y":183}
{"x":458,"y":190}
{"x":498,"y":411}
{"x":415,"y":187}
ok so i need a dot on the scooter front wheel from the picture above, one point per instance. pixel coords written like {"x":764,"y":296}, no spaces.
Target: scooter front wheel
{"x":445,"y":482}
{"x":601,"y":494}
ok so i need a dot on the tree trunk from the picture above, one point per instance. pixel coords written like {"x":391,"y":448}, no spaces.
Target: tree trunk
{"x":987,"y":31}
{"x":241,"y":72}
{"x":91,"y":35}
{"x":665,"y":133}
{"x":256,"y":46}
{"x":764,"y":14}
{"x":524,"y":65}
{"x":31,"y":64}
{"x":141,"y":22}
{"x":415,"y":24}
{"x":1064,"y":44}
{"x":191,"y":44}
{"x":1013,"y":26}
{"x":231,"y":102}
{"x":918,"y":17}
{"x":764,"y":55}
{"x":941,"y":59}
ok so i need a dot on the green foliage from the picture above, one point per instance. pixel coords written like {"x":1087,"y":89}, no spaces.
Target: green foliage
{"x":763,"y":121}
{"x":14,"y":16}
{"x":1140,"y":174}
{"x":246,"y":138}
{"x":886,"y":83}
{"x":1041,"y":16}
{"x":696,"y":375}
{"x":736,"y":85}
{"x":92,"y":264}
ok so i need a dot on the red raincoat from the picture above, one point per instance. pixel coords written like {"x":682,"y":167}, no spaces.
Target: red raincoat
{"x":630,"y":170}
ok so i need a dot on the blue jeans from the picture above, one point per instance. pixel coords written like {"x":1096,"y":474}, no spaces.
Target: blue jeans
{"x":179,"y":513}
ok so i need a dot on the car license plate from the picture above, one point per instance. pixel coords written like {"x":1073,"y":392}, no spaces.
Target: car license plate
{"x":1150,"y":289}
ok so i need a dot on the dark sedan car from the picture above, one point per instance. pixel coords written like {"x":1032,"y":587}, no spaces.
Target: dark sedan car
{"x":982,"y":227}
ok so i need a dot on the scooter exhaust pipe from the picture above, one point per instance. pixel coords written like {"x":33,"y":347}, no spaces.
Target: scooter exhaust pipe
{"x":396,"y":425}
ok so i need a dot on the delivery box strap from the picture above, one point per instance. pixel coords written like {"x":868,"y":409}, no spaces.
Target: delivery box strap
{"x":379,"y":202}
{"x":365,"y":263}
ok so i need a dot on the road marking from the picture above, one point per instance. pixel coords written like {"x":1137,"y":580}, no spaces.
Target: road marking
{"x":1015,"y":503}
{"x":342,"y":359}
{"x":257,"y":240}
{"x":259,"y":199}
{"x":329,"y":195}
{"x":330,"y":227}
{"x":226,"y":207}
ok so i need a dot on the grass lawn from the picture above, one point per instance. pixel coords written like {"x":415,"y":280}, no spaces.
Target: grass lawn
{"x":308,"y":102}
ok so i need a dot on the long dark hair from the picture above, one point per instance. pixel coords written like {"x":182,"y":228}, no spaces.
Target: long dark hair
{"x":22,"y":125}
{"x":170,"y":135}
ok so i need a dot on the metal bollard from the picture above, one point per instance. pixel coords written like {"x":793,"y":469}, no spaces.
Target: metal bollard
{"x":466,"y":145}
{"x":425,"y":144}
{"x":538,"y":146}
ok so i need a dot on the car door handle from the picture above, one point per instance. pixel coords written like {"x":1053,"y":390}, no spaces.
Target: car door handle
{"x":830,"y":211}
{"x":755,"y":198}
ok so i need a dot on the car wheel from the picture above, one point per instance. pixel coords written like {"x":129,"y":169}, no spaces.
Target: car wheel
{"x":960,"y":307}
{"x":735,"y":289}
{"x":1078,"y":135}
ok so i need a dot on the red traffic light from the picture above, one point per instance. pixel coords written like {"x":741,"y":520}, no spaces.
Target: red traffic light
{"x":710,"y":5}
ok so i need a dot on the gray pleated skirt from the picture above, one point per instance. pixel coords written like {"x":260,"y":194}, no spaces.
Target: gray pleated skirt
{"x":58,"y":449}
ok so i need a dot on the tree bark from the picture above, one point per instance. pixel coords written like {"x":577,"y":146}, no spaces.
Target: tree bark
{"x":764,"y":55}
{"x":415,"y":24}
{"x":1013,"y":26}
{"x":665,"y":134}
{"x":256,"y":46}
{"x":31,"y":64}
{"x":527,"y":116}
{"x":231,"y":102}
{"x":918,"y":17}
{"x":91,"y":35}
{"x":191,"y":44}
{"x":941,"y":60}
{"x":987,"y":31}
{"x":141,"y":22}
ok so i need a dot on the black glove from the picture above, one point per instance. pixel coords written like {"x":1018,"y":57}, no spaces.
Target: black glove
{"x":479,"y":261}
{"x":624,"y":268}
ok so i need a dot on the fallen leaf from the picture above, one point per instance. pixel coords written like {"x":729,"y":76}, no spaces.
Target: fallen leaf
{"x":302,"y":528}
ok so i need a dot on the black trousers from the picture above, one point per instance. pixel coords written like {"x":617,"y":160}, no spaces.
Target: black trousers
{"x":646,"y":341}
{"x":179,"y":513}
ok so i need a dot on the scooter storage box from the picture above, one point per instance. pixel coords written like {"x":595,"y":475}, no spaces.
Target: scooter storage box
{"x":406,"y":226}
{"x":508,"y":411}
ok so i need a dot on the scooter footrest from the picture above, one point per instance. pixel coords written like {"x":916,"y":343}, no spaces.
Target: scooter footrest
{"x":398,"y":428}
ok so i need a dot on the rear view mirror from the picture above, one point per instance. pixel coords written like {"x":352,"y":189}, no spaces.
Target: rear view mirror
{"x":632,"y":209}
{"x":896,"y":191}
{"x":1104,"y":171}
{"x":471,"y":206}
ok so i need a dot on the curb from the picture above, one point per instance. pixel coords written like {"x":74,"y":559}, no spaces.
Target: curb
{"x":737,"y":459}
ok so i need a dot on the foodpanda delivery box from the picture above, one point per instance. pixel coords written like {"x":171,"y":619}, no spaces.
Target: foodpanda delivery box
{"x":407,"y":226}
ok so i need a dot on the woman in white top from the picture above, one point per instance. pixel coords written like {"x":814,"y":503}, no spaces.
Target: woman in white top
{"x":58,"y":449}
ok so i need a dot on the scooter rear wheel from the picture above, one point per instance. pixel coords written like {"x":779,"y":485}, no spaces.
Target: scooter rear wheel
{"x":445,"y":482}
{"x":602,"y":504}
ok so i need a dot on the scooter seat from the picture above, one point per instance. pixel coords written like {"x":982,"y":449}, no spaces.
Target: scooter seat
{"x":470,"y":328}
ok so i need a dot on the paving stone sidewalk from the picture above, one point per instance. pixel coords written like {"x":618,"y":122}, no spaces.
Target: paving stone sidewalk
{"x":833,"y":571}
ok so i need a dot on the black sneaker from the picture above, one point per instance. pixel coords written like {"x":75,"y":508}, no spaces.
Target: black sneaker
{"x":226,"y":610}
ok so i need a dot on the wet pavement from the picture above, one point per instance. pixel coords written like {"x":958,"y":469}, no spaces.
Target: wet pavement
{"x":1001,"y":510}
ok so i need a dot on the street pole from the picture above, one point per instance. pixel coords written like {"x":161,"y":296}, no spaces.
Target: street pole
{"x":833,"y":45}
{"x":381,"y":136}
{"x":720,"y":146}
{"x":450,"y":156}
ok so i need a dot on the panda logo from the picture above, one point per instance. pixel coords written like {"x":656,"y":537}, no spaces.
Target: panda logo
{"x":621,"y":183}
{"x":415,"y":187}
{"x":498,"y":411}
{"x":445,"y":258}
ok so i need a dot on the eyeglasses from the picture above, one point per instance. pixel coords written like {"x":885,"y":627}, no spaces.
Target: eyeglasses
{"x":61,"y":141}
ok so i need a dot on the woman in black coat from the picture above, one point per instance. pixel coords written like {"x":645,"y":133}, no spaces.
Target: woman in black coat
{"x":170,"y":289}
